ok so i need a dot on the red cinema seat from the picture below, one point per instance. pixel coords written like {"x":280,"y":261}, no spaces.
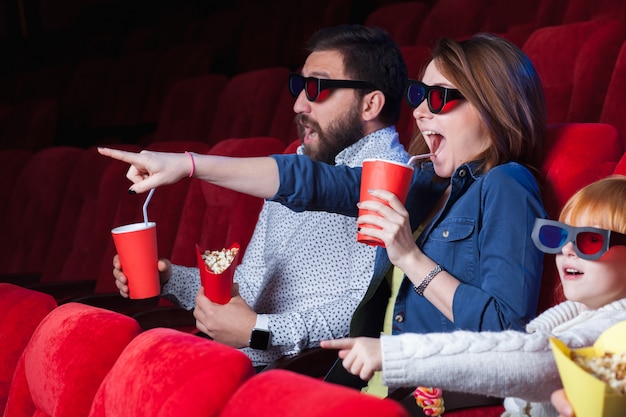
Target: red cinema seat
{"x":169,"y":373}
{"x":66,"y":360}
{"x":287,"y":394}
{"x":22,"y":311}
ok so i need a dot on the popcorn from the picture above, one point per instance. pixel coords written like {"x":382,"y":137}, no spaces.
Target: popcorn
{"x":219,"y":261}
{"x":610,"y":368}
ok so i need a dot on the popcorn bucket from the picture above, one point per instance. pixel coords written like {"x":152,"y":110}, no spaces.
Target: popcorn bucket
{"x":218,"y":286}
{"x":588,"y":395}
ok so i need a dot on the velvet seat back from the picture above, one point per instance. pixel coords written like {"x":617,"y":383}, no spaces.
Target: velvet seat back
{"x":66,"y":360}
{"x":166,"y":372}
{"x":21,"y":312}
{"x":29,"y":221}
{"x":248,"y":103}
{"x":214,"y":217}
{"x":574,"y":62}
{"x":576,"y":154}
{"x":287,"y":394}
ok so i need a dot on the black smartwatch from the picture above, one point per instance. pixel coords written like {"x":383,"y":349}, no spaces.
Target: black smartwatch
{"x":261,"y":336}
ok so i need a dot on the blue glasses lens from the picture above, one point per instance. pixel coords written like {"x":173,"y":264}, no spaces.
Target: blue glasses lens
{"x":296,"y":84}
{"x":553,"y":237}
{"x":416,"y":94}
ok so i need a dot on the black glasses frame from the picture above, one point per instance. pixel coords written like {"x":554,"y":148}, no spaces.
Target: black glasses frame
{"x":448,"y":94}
{"x":611,"y":238}
{"x":297,"y":83}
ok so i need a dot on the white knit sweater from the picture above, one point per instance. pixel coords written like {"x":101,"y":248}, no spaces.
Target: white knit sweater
{"x":500,"y":364}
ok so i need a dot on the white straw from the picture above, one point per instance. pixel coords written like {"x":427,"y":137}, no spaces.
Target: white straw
{"x":416,"y":157}
{"x":145,"y":207}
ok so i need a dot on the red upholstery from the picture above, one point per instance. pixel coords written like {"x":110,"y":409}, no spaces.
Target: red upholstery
{"x":580,"y":10}
{"x":22,"y":311}
{"x":66,"y":360}
{"x":165,"y":372}
{"x":613,"y":109}
{"x":11,"y":163}
{"x":28,"y":225}
{"x":287,"y":394}
{"x":214,"y":217}
{"x":73,"y":236}
{"x":503,"y":14}
{"x":174,"y":64}
{"x":401,"y":20}
{"x":576,"y":154}
{"x":446,"y":19}
{"x":31,"y":125}
{"x":575,"y":62}
{"x":248,"y":103}
{"x":620,"y":168}
{"x":189,"y":109}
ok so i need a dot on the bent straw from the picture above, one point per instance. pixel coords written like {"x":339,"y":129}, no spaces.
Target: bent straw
{"x":413,"y":159}
{"x":145,"y":207}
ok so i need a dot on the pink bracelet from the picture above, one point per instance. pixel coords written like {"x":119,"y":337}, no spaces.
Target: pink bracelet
{"x":193,"y":164}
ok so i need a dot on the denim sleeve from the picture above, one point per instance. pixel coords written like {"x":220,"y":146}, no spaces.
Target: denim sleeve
{"x":316,"y":186}
{"x":510,"y":265}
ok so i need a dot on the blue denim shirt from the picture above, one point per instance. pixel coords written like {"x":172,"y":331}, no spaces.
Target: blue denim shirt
{"x":481,"y":236}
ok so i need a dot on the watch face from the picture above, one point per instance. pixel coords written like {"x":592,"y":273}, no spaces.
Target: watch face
{"x":260,"y":339}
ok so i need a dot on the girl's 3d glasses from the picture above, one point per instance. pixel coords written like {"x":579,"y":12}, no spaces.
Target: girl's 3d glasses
{"x":590,"y":243}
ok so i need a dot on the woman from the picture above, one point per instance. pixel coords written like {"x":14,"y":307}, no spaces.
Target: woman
{"x":480,"y":110}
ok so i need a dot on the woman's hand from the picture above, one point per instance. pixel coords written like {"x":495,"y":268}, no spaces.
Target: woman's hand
{"x":151,"y":169}
{"x":361,"y":356}
{"x":395,"y":228}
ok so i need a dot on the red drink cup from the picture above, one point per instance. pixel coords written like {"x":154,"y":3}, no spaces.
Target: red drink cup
{"x":136,"y":246}
{"x":379,"y":174}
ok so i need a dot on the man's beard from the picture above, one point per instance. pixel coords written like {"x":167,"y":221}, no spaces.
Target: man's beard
{"x":339,"y":135}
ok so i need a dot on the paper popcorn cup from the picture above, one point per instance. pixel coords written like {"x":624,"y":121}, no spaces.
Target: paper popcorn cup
{"x":588,"y":395}
{"x":383,"y":175}
{"x":136,"y":245}
{"x":217,"y":286}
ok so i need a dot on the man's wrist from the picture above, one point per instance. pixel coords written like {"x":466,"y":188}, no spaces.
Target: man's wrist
{"x":260,"y":337}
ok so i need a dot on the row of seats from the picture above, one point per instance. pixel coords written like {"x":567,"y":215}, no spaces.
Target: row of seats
{"x":574,"y":44}
{"x":78,"y":360}
{"x":583,"y":86}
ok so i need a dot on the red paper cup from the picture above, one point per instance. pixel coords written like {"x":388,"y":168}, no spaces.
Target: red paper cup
{"x":378,"y":174}
{"x":136,"y":246}
{"x":217,"y":287}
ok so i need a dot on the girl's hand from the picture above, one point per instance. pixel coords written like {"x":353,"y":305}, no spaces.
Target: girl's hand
{"x":361,"y":356}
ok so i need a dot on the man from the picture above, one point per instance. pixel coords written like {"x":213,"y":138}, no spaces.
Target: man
{"x":303,"y":274}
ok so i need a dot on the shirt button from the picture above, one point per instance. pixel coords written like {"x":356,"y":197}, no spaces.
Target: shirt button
{"x":446,"y":233}
{"x":462,"y":173}
{"x":399,"y":318}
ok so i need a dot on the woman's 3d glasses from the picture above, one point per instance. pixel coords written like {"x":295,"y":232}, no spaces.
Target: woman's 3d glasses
{"x":590,"y":243}
{"x":317,"y":89}
{"x":438,"y":97}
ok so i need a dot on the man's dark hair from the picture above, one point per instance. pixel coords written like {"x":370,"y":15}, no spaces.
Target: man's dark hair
{"x":369,"y":54}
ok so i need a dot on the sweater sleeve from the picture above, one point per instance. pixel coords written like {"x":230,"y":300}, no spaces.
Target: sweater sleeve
{"x":499,"y":364}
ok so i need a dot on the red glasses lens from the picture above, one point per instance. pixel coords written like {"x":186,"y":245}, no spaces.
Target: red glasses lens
{"x":589,"y":243}
{"x":311,"y":89}
{"x":435,"y":99}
